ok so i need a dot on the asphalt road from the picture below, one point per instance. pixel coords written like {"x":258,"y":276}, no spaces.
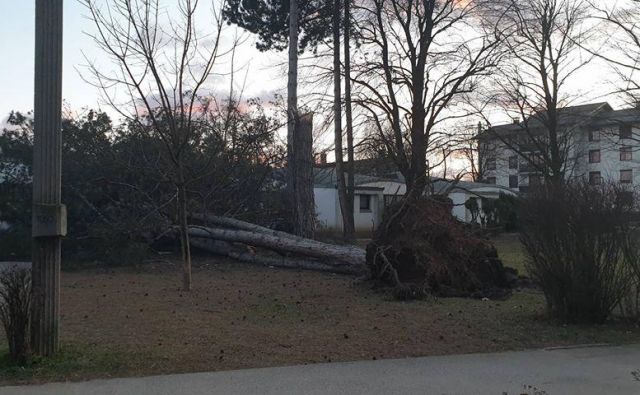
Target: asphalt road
{"x":583,"y":371}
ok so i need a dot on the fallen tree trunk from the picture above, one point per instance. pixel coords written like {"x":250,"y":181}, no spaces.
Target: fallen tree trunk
{"x":297,"y":245}
{"x":224,"y":248}
{"x":233,"y":223}
{"x":226,"y":222}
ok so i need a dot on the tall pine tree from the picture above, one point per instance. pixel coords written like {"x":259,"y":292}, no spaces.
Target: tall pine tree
{"x":297,"y":25}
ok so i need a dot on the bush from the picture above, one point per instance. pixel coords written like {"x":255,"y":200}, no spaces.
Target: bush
{"x":630,"y":306}
{"x":15,"y":244}
{"x":501,"y":213}
{"x":578,"y":241}
{"x":15,"y":309}
{"x":117,"y":186}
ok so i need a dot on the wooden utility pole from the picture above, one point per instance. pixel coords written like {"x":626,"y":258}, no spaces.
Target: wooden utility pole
{"x":49,"y":215}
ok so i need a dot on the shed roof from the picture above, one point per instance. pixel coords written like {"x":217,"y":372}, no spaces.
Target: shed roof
{"x":326,"y":177}
{"x":440,"y":185}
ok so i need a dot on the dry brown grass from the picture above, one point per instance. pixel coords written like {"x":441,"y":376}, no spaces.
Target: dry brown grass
{"x":138,"y":322}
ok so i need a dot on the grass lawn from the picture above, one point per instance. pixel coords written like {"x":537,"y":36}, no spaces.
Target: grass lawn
{"x":127,"y":322}
{"x":510,"y":251}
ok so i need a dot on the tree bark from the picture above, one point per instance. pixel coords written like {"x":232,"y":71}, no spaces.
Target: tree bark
{"x":292,"y":117}
{"x":184,"y":237}
{"x":225,"y":249}
{"x":348,"y":109}
{"x":351,"y":255}
{"x":304,"y":203}
{"x":292,"y":83}
{"x":233,"y":223}
{"x":226,"y":222}
{"x":345,"y":208}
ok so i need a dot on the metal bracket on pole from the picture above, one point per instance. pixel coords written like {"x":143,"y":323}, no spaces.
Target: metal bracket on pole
{"x":49,"y":220}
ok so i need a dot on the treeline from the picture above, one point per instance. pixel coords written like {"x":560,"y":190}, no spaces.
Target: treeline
{"x":117,"y":180}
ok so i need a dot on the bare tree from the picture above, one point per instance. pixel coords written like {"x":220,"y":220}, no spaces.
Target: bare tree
{"x":417,"y":61}
{"x":348,"y":109}
{"x":542,"y":39}
{"x":298,"y":161}
{"x":162,"y":63}
{"x":298,"y":25}
{"x":320,"y":78}
{"x":470,"y":151}
{"x":622,"y":48}
{"x":346,"y":204}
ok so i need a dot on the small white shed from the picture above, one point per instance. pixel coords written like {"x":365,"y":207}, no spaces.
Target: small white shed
{"x":367,"y":209}
{"x":373,"y":194}
{"x":461,"y":191}
{"x":368,"y":204}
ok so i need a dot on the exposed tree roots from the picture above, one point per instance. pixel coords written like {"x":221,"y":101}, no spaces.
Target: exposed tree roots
{"x":425,"y":251}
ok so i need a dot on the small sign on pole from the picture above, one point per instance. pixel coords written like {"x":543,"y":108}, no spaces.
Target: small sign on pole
{"x":49,"y":220}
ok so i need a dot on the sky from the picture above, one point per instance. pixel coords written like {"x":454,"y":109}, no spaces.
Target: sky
{"x":17,"y":29}
{"x":265,"y":71}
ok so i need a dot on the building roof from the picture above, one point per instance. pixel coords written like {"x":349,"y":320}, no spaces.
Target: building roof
{"x":616,"y":117}
{"x":325,"y":177}
{"x":593,"y":114}
{"x":441,"y":185}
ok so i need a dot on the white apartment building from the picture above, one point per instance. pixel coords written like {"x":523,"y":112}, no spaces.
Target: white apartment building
{"x":599,"y":143}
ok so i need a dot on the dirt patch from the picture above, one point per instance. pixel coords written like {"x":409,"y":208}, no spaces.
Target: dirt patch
{"x":138,"y":322}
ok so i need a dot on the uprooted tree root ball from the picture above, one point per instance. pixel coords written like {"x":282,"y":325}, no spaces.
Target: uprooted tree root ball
{"x":423,"y":250}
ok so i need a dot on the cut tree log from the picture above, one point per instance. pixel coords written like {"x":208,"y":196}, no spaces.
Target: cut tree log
{"x":296,"y":245}
{"x":226,"y":249}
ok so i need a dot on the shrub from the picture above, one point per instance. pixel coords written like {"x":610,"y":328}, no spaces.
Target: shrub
{"x":116,"y":184}
{"x":577,"y":238}
{"x":15,"y":306}
{"x":501,"y":213}
{"x":630,"y":306}
{"x":15,"y":244}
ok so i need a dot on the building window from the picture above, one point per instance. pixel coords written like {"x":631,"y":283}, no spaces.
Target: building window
{"x":513,"y":181}
{"x":626,"y":176}
{"x":595,"y":178}
{"x":365,"y":203}
{"x":594,"y":156}
{"x":513,"y":162}
{"x":491,"y":164}
{"x":626,"y":154}
{"x":625,"y":131}
{"x":594,"y":135}
{"x":491,"y":180}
